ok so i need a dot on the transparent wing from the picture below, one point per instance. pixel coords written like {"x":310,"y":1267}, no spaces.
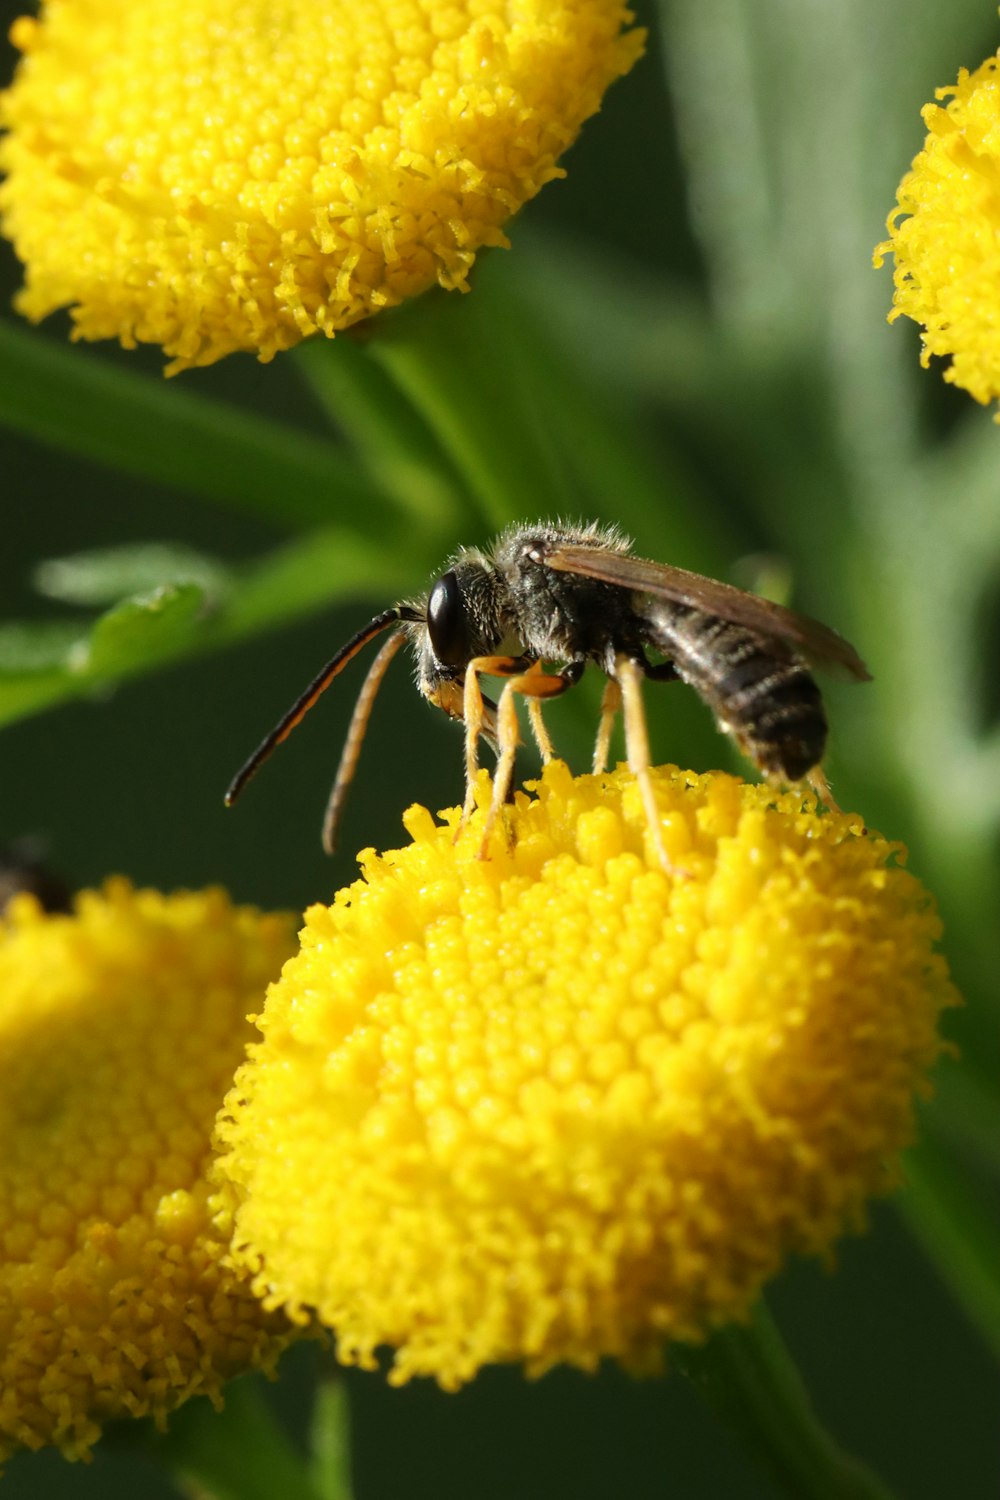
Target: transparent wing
{"x":816,"y":641}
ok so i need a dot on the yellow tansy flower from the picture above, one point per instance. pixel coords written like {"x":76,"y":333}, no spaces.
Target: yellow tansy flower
{"x":121,"y":1026}
{"x":945,"y":233}
{"x":214,"y":175}
{"x":558,"y":1105}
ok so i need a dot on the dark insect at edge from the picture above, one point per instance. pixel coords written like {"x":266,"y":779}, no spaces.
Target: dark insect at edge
{"x":570,"y":595}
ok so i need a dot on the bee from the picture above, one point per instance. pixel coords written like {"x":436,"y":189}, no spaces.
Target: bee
{"x":22,"y":869}
{"x":543,"y":602}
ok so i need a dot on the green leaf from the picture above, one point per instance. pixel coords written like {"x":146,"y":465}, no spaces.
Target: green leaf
{"x":796,"y":134}
{"x":183,"y":440}
{"x":142,"y":631}
{"x":104,"y":576}
{"x":38,"y":646}
{"x":45,"y":665}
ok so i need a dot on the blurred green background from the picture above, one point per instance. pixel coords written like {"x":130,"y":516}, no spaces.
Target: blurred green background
{"x":702,"y":282}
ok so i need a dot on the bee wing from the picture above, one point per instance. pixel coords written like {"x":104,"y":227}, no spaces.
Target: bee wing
{"x":817,"y":642}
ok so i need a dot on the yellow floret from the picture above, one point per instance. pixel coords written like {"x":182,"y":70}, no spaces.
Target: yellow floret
{"x":556,"y":1105}
{"x":214,"y":175}
{"x":120,"y":1029}
{"x":945,"y":233}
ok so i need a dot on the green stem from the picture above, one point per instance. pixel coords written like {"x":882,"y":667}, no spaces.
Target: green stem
{"x":747,"y":1376}
{"x":240,"y":1453}
{"x":383,"y":427}
{"x":960,"y":1236}
{"x":463,"y":368}
{"x":330,"y":1468}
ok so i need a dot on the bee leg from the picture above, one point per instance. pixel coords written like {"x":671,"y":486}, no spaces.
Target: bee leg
{"x":629,"y":675}
{"x":817,"y":780}
{"x":474,"y":716}
{"x":661,"y":671}
{"x":611,"y":702}
{"x":543,"y":739}
{"x":508,"y":739}
{"x":533,"y":684}
{"x":569,"y":676}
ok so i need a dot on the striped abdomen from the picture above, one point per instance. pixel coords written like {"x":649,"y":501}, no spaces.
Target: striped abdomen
{"x":761,"y":693}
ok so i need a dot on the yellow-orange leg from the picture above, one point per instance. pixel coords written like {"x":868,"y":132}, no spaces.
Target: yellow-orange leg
{"x":532,"y":683}
{"x":817,"y":780}
{"x":629,"y":676}
{"x":474,"y":715}
{"x":542,"y":737}
{"x":568,"y":676}
{"x":611,"y":702}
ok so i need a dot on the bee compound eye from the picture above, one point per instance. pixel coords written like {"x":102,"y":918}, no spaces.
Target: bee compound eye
{"x":446,"y":622}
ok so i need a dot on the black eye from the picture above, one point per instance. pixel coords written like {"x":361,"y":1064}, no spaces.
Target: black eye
{"x":446,"y":622}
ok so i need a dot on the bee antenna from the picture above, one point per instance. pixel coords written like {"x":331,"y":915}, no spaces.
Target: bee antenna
{"x":316,"y":688}
{"x":355,"y":738}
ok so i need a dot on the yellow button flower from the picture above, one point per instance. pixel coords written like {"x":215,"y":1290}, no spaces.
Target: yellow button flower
{"x":214,"y":175}
{"x":945,"y":233}
{"x":557,"y":1105}
{"x":121,"y":1026}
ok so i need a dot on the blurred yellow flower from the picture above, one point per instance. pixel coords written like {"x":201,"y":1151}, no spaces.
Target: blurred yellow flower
{"x":121,"y":1026}
{"x":214,"y":175}
{"x":945,"y":233}
{"x":557,"y":1105}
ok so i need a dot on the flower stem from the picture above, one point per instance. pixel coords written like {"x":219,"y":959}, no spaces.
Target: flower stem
{"x":396,"y":446}
{"x":747,"y":1376}
{"x":239,"y":1453}
{"x":957,"y":1230}
{"x":330,"y":1468}
{"x":463,"y":368}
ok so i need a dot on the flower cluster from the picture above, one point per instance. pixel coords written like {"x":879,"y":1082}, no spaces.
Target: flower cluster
{"x":214,"y":175}
{"x":121,"y":1025}
{"x":945,"y":233}
{"x":556,"y":1104}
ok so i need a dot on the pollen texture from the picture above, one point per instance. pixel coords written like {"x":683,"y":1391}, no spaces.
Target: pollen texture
{"x":215,"y":175}
{"x":121,"y":1026}
{"x":945,"y":233}
{"x":557,"y":1105}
